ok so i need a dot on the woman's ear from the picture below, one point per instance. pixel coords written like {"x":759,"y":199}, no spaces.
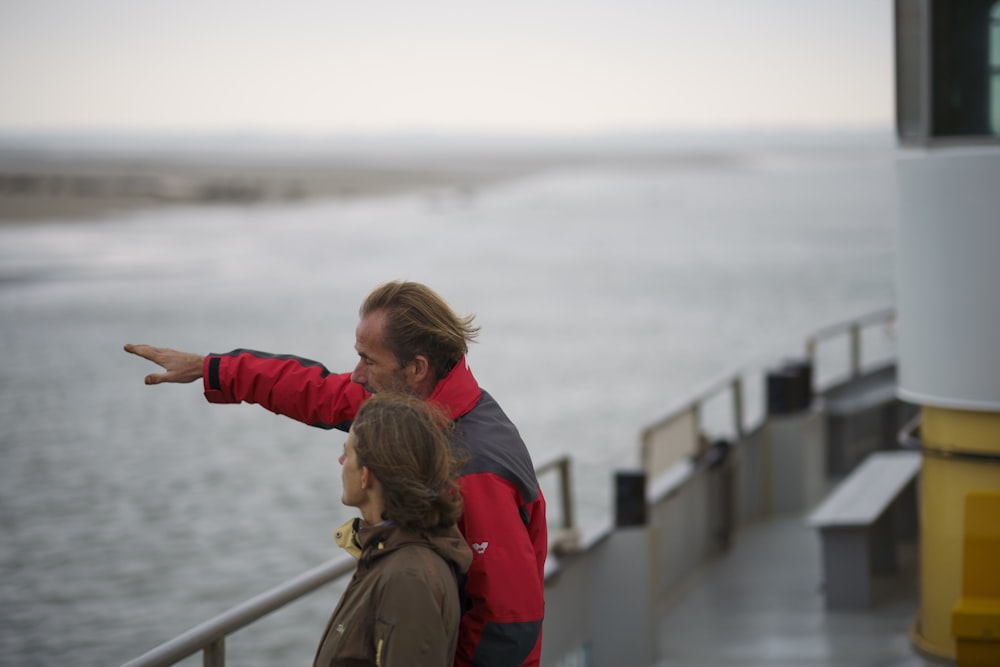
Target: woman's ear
{"x":366,"y":476}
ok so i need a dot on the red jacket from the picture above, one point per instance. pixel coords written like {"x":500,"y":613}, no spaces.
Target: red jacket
{"x":504,"y":518}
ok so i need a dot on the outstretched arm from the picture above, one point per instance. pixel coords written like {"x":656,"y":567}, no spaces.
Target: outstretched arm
{"x":179,"y":366}
{"x":298,"y":388}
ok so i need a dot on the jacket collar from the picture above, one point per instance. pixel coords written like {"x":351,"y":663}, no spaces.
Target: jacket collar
{"x":354,"y":535}
{"x":458,"y":392}
{"x":365,"y":542}
{"x":346,"y":537}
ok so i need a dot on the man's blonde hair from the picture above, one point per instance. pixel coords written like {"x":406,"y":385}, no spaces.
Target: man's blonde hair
{"x":421,"y":322}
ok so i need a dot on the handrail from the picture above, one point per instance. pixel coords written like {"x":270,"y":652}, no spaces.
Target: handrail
{"x":909,"y":438}
{"x":562,"y":465}
{"x":209,"y":637}
{"x":733,"y":381}
{"x":853,"y":328}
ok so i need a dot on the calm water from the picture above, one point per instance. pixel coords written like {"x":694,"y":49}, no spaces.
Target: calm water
{"x":605,"y":295}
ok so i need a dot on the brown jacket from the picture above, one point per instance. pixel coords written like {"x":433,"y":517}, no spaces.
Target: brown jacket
{"x":402,"y":604}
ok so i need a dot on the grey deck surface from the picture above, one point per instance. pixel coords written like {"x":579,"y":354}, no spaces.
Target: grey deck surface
{"x":761,"y":604}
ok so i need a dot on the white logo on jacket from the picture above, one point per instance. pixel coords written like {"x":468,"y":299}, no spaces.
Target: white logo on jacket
{"x":480,"y":547}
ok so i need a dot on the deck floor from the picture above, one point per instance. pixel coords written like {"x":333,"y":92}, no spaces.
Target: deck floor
{"x":761,"y":604}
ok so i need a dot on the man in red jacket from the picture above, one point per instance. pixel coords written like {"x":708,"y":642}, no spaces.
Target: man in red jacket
{"x":408,"y":339}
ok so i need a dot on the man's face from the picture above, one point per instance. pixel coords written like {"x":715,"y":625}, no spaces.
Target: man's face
{"x":377,"y":368}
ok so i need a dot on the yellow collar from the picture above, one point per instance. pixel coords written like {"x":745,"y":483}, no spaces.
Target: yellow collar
{"x":345,"y":534}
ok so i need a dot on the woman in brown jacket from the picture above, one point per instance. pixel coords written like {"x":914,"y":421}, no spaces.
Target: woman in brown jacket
{"x":402,"y":605}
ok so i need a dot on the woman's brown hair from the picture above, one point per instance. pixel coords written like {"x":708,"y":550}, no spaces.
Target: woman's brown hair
{"x":403,"y":441}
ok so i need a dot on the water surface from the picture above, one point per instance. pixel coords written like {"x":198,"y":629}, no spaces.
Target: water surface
{"x":605,"y":294}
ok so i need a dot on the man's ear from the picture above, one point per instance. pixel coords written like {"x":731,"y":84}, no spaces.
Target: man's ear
{"x":420,"y":367}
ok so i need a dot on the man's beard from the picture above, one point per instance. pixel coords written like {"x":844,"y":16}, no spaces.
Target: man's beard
{"x":397,"y":385}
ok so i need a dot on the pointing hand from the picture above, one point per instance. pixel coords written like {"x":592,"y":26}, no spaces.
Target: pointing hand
{"x":179,"y":366}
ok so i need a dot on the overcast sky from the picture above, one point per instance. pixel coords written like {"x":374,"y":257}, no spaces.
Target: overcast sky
{"x":443,"y":65}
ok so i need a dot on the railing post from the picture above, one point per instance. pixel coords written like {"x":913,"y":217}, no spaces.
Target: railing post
{"x":855,"y":349}
{"x":214,"y":654}
{"x":566,"y":491}
{"x":567,"y":540}
{"x":738,"y":406}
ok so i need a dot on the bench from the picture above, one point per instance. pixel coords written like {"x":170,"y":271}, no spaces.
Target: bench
{"x":859,"y":524}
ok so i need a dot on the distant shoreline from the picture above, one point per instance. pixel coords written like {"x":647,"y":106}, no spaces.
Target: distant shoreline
{"x":85,"y":178}
{"x":88,"y":186}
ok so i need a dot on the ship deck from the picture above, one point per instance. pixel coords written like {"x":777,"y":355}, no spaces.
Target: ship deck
{"x":761,"y":604}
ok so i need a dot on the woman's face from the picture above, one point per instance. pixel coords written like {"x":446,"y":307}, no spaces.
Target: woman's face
{"x":351,"y":474}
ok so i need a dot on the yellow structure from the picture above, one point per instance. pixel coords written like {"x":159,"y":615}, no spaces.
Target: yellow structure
{"x":960,"y":534}
{"x":976,"y":615}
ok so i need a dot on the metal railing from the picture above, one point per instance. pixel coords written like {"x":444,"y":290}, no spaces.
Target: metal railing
{"x":210,"y":637}
{"x":853,"y":329}
{"x":678,"y":435}
{"x":567,"y":539}
{"x":562,"y":465}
